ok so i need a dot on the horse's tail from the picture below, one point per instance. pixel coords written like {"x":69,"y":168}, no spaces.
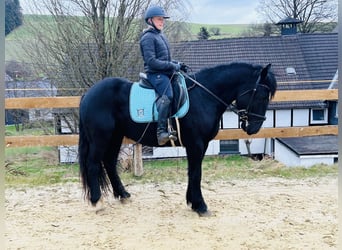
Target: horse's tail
{"x":83,"y":152}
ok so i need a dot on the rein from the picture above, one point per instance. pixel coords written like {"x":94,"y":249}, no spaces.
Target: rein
{"x":242,"y":113}
{"x":207,"y":90}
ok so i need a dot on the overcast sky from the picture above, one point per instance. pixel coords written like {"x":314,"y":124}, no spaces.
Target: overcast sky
{"x":224,"y":11}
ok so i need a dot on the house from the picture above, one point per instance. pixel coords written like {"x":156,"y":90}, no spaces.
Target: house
{"x":306,"y":152}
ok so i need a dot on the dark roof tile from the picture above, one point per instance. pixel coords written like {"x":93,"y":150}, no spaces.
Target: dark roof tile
{"x":313,"y":56}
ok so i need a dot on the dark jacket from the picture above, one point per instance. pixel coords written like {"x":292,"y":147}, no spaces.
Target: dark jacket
{"x":156,"y":52}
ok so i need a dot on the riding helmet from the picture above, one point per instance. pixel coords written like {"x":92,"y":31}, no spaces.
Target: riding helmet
{"x":155,"y":11}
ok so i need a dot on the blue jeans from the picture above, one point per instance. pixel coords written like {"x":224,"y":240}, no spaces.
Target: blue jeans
{"x":162,"y":84}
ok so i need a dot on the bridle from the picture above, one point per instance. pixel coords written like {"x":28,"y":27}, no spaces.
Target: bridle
{"x":242,"y":113}
{"x":245,"y":113}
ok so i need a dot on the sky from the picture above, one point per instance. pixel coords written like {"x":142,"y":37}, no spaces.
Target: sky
{"x":224,"y":11}
{"x":209,"y":11}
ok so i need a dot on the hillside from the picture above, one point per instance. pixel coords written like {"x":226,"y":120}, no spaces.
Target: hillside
{"x":15,"y":41}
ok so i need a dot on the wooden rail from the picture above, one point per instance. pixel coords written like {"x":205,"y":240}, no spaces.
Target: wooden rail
{"x":224,"y":134}
{"x":74,"y":101}
{"x":42,"y":102}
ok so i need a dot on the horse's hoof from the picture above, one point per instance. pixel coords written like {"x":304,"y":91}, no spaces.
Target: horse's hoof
{"x":205,"y":214}
{"x":125,"y":200}
{"x":99,"y":205}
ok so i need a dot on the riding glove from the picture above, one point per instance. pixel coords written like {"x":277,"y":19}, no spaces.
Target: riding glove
{"x":176,"y":66}
{"x":184,"y":67}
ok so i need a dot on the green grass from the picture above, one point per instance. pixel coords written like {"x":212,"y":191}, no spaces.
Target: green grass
{"x":226,"y":168}
{"x":39,"y":166}
{"x":32,"y":129}
{"x":226,"y":30}
{"x":36,"y":166}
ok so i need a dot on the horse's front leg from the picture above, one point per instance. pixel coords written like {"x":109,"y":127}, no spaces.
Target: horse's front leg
{"x":194,"y":193}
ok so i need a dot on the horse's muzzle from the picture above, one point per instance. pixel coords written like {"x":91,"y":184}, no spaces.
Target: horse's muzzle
{"x":251,"y":127}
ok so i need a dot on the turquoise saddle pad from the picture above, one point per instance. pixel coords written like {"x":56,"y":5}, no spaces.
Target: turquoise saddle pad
{"x":142,"y":105}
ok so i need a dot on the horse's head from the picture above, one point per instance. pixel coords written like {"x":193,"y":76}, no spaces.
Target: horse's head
{"x":252,"y":103}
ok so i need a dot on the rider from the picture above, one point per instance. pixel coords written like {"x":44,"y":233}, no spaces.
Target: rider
{"x":159,"y":67}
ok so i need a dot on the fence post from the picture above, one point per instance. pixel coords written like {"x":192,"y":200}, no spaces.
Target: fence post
{"x":138,"y":168}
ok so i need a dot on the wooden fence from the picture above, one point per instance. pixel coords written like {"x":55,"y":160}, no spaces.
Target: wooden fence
{"x":224,"y":134}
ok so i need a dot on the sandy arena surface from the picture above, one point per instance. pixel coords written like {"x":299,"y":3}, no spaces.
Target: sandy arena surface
{"x":267,"y":213}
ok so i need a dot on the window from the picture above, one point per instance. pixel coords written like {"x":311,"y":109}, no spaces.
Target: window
{"x":291,"y":71}
{"x":319,"y":116}
{"x":229,"y":146}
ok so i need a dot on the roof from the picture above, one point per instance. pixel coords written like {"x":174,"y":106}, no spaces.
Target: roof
{"x":314,"y":58}
{"x":289,"y":20}
{"x":312,"y":145}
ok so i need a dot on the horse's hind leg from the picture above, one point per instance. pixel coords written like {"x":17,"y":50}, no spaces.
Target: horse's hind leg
{"x":110,"y":163}
{"x":95,"y":175}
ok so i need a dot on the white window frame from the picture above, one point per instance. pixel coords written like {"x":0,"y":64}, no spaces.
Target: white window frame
{"x":325,"y":119}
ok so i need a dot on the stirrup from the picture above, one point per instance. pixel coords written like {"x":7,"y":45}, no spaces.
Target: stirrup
{"x":171,"y":131}
{"x":173,"y":137}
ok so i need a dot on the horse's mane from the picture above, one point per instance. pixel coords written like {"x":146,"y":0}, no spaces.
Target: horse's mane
{"x":242,"y":68}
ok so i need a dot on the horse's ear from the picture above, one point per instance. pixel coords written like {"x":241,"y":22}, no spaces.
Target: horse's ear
{"x":264,"y":71}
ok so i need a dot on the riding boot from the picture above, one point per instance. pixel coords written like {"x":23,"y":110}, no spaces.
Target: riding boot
{"x":163,"y":135}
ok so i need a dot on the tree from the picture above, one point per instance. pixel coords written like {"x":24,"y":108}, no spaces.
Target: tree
{"x":13,"y":16}
{"x":314,"y":14}
{"x":215,"y":31}
{"x":101,"y":41}
{"x":203,"y":34}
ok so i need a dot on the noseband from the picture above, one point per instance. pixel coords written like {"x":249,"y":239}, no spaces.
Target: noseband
{"x":242,"y":113}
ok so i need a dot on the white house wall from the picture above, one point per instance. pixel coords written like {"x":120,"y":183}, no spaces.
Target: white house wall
{"x":284,"y":155}
{"x":162,"y":152}
{"x":291,"y":159}
{"x":257,"y":146}
{"x":230,"y":120}
{"x":283,"y":118}
{"x":310,"y":160}
{"x":301,"y":117}
{"x":268,"y":123}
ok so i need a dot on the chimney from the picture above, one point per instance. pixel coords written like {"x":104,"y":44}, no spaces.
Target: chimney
{"x":288,"y":25}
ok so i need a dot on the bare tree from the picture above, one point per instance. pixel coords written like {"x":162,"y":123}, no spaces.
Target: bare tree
{"x":83,"y":41}
{"x":314,"y":14}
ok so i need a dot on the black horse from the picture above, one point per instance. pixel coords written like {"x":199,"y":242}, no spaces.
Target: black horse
{"x":105,"y":120}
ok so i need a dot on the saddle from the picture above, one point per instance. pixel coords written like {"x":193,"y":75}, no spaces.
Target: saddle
{"x":143,"y":99}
